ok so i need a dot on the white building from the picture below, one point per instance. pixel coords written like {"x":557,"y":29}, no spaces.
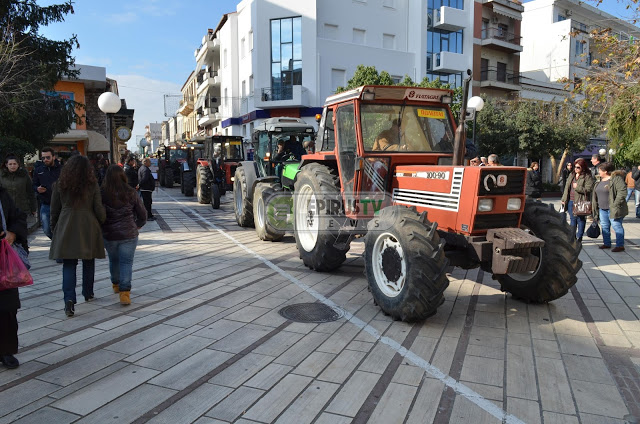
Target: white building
{"x":285,"y":57}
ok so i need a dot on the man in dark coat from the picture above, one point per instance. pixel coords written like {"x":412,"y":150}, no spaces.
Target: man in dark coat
{"x":16,"y":222}
{"x":635,"y":174}
{"x":131,"y":173}
{"x":147,"y":185}
{"x":43,"y":178}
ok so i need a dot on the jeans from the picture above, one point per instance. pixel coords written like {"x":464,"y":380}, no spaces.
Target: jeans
{"x":607,"y":223}
{"x":121,"y":261}
{"x":69,"y":278}
{"x":45,"y":219}
{"x":629,"y":193}
{"x":637,"y":203}
{"x":581,"y":220}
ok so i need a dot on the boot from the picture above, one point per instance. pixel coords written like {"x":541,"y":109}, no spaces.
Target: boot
{"x":116,"y":287}
{"x":124,"y":298}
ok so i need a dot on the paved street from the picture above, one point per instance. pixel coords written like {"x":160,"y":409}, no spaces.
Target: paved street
{"x":203,"y":340}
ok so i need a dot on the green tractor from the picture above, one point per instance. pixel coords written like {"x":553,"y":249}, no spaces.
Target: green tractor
{"x":279,"y":145}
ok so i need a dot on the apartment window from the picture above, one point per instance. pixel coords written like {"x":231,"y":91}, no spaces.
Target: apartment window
{"x":358,"y":36}
{"x":244,"y":89}
{"x":242,"y":47}
{"x":484,"y":69}
{"x":502,"y":72}
{"x":224,"y":58}
{"x":388,"y":41}
{"x":250,"y":84}
{"x":286,"y":56}
{"x":389,"y":3}
{"x":561,"y":18}
{"x":579,"y":47}
{"x":338,"y":78}
{"x":502,"y":31}
{"x":331,"y":31}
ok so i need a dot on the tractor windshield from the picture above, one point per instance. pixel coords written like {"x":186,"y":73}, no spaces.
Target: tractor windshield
{"x":406,"y":128}
{"x":176,"y":154}
{"x":233,"y":150}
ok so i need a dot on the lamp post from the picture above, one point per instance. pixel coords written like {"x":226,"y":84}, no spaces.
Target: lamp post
{"x":476,"y":103}
{"x":109,"y":103}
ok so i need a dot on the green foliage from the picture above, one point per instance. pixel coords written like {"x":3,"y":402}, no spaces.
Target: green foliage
{"x":624,"y":126}
{"x":16,"y":146}
{"x":30,"y":66}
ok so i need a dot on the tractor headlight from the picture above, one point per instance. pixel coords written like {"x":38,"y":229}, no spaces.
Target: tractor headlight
{"x":233,"y":179}
{"x":485,"y":205}
{"x":514,"y":204}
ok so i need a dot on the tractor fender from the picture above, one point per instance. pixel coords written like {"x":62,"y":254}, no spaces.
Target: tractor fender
{"x":328,"y":160}
{"x":251,"y":173}
{"x":203,"y":162}
{"x":272,"y":179}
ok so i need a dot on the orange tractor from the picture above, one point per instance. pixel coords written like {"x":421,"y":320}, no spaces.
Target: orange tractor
{"x":389,"y":167}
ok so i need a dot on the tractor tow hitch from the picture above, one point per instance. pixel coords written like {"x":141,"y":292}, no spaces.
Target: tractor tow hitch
{"x":513,"y":250}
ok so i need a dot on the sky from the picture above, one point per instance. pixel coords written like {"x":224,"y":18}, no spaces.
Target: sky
{"x":148,"y":45}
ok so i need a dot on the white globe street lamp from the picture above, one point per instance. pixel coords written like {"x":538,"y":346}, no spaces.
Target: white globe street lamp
{"x":476,"y":103}
{"x":109,"y":103}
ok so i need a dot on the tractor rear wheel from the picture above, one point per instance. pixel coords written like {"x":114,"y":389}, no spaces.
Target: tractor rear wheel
{"x":182,"y":181}
{"x":215,"y":196}
{"x":558,"y":265}
{"x":314,"y":227}
{"x":168,"y":177}
{"x":161,"y":175}
{"x":203,"y":184}
{"x":241,"y":201}
{"x":405,"y":264}
{"x":189,"y":183}
{"x":261,"y":195}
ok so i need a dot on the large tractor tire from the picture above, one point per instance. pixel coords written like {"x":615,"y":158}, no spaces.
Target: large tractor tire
{"x":405,"y":264}
{"x":319,"y":245}
{"x":215,"y":196}
{"x":261,"y":195}
{"x":242,"y":198}
{"x":558,"y":265}
{"x":181,"y":181}
{"x":168,"y":177}
{"x":161,"y":175}
{"x":204,"y":181}
{"x":188,"y":182}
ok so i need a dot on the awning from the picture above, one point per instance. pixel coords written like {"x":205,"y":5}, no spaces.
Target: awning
{"x":72,"y":135}
{"x":97,"y":142}
{"x":200,"y":101}
{"x":505,"y":11}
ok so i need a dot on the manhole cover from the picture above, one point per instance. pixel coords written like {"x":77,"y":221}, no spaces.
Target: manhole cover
{"x":310,"y":312}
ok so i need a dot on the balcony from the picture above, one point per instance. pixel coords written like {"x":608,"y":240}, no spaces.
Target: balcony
{"x":209,"y":116}
{"x":449,"y":19}
{"x":500,"y":39}
{"x":500,"y":79}
{"x":186,"y":107}
{"x":290,"y":96}
{"x":207,"y":80}
{"x":450,"y":62}
{"x":206,"y":49}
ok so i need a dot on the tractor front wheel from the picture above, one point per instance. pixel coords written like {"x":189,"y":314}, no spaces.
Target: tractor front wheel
{"x":405,"y":264}
{"x":189,"y":183}
{"x":558,"y":265}
{"x":215,"y":196}
{"x":261,"y":195}
{"x":241,"y":201}
{"x":168,"y":177}
{"x":315,"y":228}
{"x":203,"y":184}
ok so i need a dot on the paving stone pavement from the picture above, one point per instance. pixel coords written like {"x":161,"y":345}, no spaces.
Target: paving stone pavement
{"x":202,"y":341}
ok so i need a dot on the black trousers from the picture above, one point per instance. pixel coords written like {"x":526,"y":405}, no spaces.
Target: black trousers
{"x":8,"y":332}
{"x":146,"y":200}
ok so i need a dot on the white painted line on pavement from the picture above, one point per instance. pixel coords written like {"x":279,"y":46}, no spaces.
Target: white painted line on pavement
{"x":458,"y":387}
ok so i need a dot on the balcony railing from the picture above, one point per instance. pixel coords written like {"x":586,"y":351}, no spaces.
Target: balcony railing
{"x":497,"y":75}
{"x":273,"y":94}
{"x":500,"y":34}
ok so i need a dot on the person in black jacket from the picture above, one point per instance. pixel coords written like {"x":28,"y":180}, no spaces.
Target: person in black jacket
{"x":147,"y":185}
{"x":16,"y":223}
{"x":566,"y":175}
{"x":635,"y":173}
{"x":131,"y":173}
{"x":534,"y":182}
{"x":43,"y":178}
{"x":125,"y":215}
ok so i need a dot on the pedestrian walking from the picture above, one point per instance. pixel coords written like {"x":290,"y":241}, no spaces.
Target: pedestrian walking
{"x":610,"y":205}
{"x":43,"y":178}
{"x":596,"y":160}
{"x":635,"y":174}
{"x":18,"y":184}
{"x":125,"y":216}
{"x":147,"y":185}
{"x":534,"y":181}
{"x":566,"y":175}
{"x":76,"y":215}
{"x":578,"y":189}
{"x":16,"y":224}
{"x":631,"y":184}
{"x":131,"y":172}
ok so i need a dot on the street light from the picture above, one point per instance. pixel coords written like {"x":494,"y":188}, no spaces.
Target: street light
{"x":109,"y":103}
{"x":476,"y":103}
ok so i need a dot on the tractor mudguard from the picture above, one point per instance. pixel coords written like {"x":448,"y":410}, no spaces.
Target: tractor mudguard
{"x":251,"y":173}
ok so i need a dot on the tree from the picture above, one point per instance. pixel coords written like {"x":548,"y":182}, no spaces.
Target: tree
{"x":31,"y":114}
{"x":624,"y":126}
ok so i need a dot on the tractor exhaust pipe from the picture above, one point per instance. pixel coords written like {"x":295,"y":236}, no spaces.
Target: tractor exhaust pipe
{"x":460,"y":138}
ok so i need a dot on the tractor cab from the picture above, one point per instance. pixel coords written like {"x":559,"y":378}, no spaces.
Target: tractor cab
{"x":215,"y":170}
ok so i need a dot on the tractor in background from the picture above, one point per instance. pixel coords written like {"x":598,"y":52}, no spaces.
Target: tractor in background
{"x":188,"y":167}
{"x":215,"y":169}
{"x":177,"y":164}
{"x":389,"y":168}
{"x":279,"y":145}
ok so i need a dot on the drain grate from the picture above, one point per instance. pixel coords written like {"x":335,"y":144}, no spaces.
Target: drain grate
{"x":310,"y":312}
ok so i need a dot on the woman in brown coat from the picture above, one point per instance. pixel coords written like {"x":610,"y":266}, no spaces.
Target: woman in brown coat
{"x":76,"y":215}
{"x":578,"y":189}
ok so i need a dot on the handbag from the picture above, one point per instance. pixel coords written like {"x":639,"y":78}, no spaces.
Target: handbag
{"x":594,"y":230}
{"x":582,"y":208}
{"x":13,"y":271}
